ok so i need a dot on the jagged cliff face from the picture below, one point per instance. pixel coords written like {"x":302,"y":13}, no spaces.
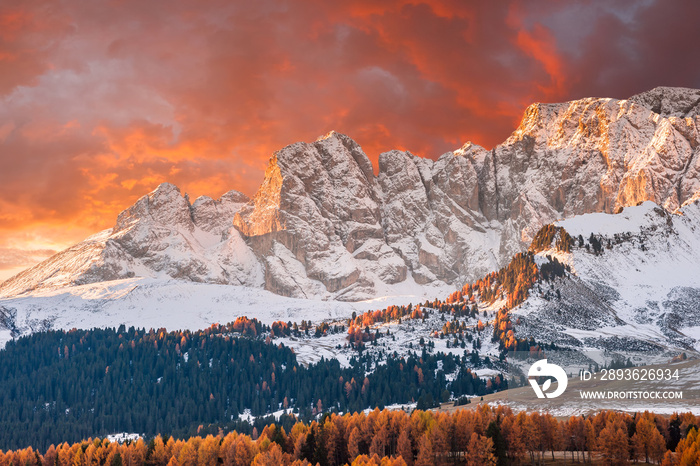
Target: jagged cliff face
{"x":594,"y":155}
{"x":463,"y":215}
{"x":323,"y":225}
{"x":602,"y":154}
{"x":316,"y":222}
{"x":670,"y":101}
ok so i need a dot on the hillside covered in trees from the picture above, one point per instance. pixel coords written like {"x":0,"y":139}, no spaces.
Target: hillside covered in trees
{"x":65,"y":386}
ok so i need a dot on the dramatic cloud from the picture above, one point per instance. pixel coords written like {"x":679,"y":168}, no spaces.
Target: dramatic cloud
{"x":101,"y":101}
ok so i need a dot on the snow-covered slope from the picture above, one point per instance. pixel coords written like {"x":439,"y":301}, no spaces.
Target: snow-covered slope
{"x":322,"y":225}
{"x":641,"y":292}
{"x":176,"y":304}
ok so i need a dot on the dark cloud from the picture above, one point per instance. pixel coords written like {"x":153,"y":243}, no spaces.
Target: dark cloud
{"x":633,"y":47}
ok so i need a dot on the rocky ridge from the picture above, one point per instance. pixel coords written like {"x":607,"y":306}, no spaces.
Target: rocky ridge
{"x":161,"y":236}
{"x":323,"y":225}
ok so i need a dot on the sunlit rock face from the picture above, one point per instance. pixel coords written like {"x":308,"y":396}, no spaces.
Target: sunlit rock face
{"x":323,"y":225}
{"x":456,"y":218}
{"x":602,"y":154}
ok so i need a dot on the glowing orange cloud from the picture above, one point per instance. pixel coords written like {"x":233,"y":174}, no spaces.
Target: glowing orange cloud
{"x":540,"y":45}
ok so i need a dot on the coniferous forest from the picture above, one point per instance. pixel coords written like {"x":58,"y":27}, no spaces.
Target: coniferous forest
{"x":66,"y":386}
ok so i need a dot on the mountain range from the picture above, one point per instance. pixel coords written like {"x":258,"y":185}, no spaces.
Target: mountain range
{"x":324,"y":226}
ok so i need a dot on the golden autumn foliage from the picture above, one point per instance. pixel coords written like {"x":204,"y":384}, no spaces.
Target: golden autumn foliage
{"x":547,"y":234}
{"x":508,"y":287}
{"x":397,"y":438}
{"x":687,"y":452}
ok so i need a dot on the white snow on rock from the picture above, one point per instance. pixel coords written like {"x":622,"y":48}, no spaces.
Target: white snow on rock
{"x":642,"y":291}
{"x":173,"y":304}
{"x":630,"y":220}
{"x":123,"y":437}
{"x":322,"y":226}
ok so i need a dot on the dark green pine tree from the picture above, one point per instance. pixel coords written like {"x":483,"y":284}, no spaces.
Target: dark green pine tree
{"x":493,"y":431}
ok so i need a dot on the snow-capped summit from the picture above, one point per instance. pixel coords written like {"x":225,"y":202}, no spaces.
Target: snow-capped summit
{"x":164,"y":205}
{"x":322,"y":225}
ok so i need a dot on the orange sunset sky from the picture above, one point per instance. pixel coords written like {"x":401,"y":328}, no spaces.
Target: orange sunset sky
{"x":100,"y":101}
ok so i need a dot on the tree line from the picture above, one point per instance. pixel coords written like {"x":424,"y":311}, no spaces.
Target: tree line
{"x":483,"y":436}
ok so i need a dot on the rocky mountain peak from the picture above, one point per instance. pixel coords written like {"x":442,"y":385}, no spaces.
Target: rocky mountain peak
{"x":216,"y":215}
{"x":164,"y":205}
{"x":313,"y":183}
{"x":472,"y":151}
{"x":319,"y":202}
{"x":679,"y":102}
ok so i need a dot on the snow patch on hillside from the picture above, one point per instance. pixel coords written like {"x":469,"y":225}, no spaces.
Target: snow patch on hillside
{"x":177,"y":304}
{"x":630,"y":220}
